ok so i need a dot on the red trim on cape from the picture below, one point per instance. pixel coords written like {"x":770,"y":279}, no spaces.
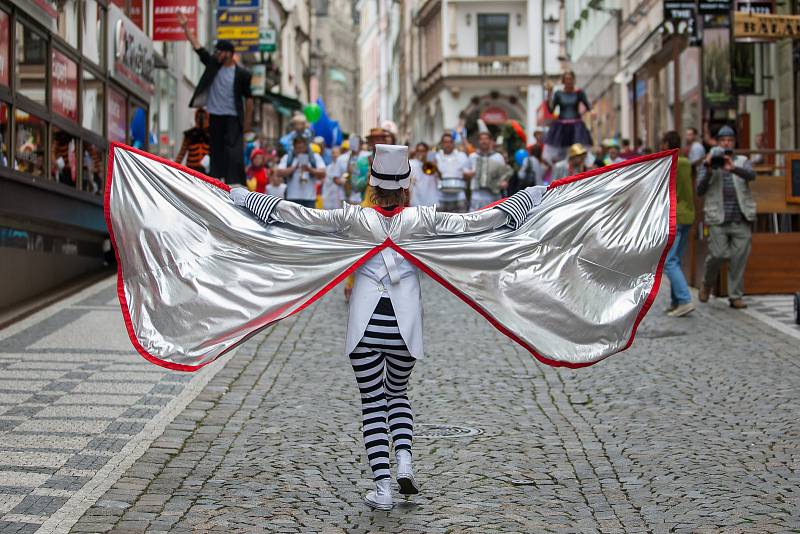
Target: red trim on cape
{"x":388,"y":243}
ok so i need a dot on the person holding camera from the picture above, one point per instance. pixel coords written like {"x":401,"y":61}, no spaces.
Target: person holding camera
{"x":301,"y":170}
{"x":724,"y":180}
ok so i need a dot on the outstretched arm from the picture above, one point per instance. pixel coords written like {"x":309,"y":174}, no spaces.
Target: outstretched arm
{"x":512,"y":212}
{"x":272,"y":209}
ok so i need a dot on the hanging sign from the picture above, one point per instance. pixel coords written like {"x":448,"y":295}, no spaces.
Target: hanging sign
{"x":765,"y":27}
{"x":165,"y":19}
{"x":239,"y":26}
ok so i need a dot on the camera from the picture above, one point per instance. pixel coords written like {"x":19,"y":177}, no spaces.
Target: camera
{"x":718,"y":157}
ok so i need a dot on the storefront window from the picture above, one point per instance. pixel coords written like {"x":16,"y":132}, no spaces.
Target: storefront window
{"x":137,"y":127}
{"x":68,"y":21}
{"x":92,"y":175}
{"x":63,"y":160}
{"x":92,"y":103}
{"x":4,"y":131}
{"x":5,"y":22}
{"x":93,"y":37}
{"x":31,"y":71}
{"x":116,"y":120}
{"x":64,"y":86}
{"x":29,"y":146}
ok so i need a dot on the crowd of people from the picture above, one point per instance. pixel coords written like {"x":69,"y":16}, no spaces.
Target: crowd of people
{"x":465,"y":171}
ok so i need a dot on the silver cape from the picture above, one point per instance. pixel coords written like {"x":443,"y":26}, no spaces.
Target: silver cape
{"x":199,"y":275}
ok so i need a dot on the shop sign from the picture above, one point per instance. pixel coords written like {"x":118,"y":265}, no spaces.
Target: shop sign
{"x":765,"y":27}
{"x":132,"y":58}
{"x":267,"y":40}
{"x":115,"y":117}
{"x":239,"y":26}
{"x":683,"y":16}
{"x":714,"y":7}
{"x":238,"y":3}
{"x":258,"y":82}
{"x":165,"y":19}
{"x":756,"y":7}
{"x":717,"y":84}
{"x":136,"y":13}
{"x":64,"y":91}
{"x":4,"y":35}
{"x":494,"y":115}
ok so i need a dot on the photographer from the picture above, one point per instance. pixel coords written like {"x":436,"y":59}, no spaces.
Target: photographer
{"x":723,"y":180}
{"x":302,"y":170}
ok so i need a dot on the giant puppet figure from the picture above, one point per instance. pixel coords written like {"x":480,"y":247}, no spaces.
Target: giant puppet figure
{"x":567,"y":273}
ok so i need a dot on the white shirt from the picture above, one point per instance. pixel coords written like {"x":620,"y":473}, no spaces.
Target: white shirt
{"x":423,"y":186}
{"x":332,"y":193}
{"x":452,"y":165}
{"x":277,"y":190}
{"x":473,"y":162}
{"x":696,"y":152}
{"x":301,"y":187}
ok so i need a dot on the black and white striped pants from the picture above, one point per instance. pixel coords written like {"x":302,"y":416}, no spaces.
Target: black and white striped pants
{"x":383,"y":365}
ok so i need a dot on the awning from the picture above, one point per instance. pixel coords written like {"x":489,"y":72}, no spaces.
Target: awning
{"x":283,"y":104}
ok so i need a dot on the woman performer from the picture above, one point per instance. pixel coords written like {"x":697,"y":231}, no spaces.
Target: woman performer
{"x":568,"y":129}
{"x":384,"y":329}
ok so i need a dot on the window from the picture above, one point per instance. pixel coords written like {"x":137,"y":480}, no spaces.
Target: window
{"x":5,"y":22}
{"x":93,"y":37}
{"x":92,"y":103}
{"x":493,"y":35}
{"x":29,"y":146}
{"x":4,"y":131}
{"x":64,"y":86}
{"x":63,"y":160}
{"x":67,"y":27}
{"x":92,"y":172}
{"x":31,"y":70}
{"x":115,"y":117}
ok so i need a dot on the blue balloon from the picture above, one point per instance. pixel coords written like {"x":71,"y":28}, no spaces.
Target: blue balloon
{"x":520,"y":155}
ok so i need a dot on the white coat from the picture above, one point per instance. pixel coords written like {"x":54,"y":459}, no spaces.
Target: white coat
{"x":387,"y":274}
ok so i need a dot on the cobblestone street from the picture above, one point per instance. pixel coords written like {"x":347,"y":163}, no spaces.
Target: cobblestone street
{"x":693,"y":429}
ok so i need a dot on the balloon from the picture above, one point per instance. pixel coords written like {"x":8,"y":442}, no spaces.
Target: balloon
{"x":312,"y":112}
{"x":315,"y":148}
{"x":520,"y":155}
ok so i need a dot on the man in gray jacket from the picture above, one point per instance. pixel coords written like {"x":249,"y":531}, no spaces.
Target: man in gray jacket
{"x":723,"y":180}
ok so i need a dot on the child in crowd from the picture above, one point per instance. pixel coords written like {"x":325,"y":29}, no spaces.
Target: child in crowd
{"x":257,"y":175}
{"x":276,"y":186}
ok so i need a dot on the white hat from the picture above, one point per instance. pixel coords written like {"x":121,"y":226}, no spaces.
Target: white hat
{"x":482,"y":128}
{"x":390,"y":167}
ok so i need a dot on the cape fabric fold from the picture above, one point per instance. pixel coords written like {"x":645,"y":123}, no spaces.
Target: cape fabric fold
{"x":198,"y":275}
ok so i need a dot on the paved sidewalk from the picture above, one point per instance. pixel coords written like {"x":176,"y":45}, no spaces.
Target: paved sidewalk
{"x":694,"y":429}
{"x":77,"y":407}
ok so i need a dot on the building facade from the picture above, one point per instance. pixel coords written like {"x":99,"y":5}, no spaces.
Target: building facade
{"x":334,"y":60}
{"x":488,"y":60}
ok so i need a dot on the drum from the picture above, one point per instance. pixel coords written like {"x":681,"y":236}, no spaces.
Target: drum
{"x":452,"y":185}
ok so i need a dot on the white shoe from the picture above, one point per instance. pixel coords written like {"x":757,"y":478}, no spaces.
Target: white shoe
{"x":405,"y":475}
{"x":381,"y":498}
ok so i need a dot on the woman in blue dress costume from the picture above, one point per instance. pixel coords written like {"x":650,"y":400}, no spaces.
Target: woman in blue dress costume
{"x":569,"y":128}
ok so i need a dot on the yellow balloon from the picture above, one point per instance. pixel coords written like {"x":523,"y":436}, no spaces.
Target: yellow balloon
{"x":315,"y":148}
